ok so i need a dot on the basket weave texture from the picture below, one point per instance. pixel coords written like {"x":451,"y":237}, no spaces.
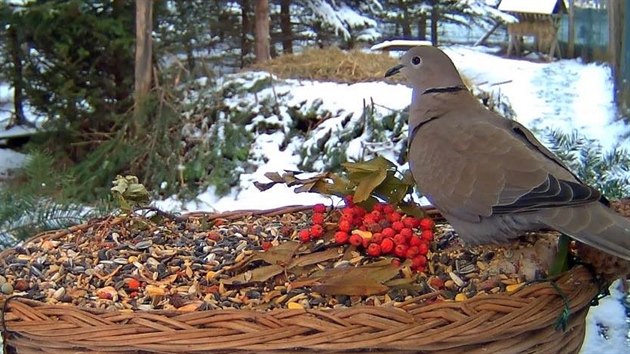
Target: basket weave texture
{"x":519,"y":322}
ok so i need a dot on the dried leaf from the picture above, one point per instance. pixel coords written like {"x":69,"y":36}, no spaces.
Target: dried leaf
{"x":351,"y":287}
{"x":259,"y":274}
{"x":356,"y":281}
{"x":279,"y":255}
{"x":314,"y":258}
{"x":323,"y":183}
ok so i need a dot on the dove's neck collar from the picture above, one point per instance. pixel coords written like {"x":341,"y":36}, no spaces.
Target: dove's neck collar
{"x":448,"y":89}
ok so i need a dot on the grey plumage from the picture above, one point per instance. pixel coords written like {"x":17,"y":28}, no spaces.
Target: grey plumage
{"x":489,"y":176}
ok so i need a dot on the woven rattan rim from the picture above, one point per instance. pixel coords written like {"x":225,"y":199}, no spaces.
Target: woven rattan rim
{"x":519,"y":322}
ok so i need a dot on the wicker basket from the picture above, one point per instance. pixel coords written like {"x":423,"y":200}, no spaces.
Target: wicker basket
{"x":518,"y":322}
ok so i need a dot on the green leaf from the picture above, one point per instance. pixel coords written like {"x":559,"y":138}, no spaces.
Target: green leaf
{"x":367,"y":175}
{"x":561,"y":262}
{"x":392,"y":189}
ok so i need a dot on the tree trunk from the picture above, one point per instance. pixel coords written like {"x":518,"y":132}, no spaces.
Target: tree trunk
{"x":262,"y":31}
{"x":422,"y":28}
{"x":435,"y":15}
{"x":404,"y":20}
{"x":246,"y":31}
{"x":615,"y":21}
{"x":142,"y":79}
{"x":122,"y":89}
{"x":17,"y":77}
{"x":571,"y":30}
{"x":285,"y":26}
{"x":618,"y":48}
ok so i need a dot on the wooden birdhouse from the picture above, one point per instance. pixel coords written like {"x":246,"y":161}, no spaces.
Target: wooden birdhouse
{"x":536,"y":18}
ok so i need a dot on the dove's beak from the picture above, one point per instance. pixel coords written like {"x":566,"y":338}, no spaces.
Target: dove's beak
{"x":393,"y":71}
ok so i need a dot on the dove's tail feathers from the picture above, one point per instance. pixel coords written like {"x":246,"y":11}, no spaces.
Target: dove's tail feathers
{"x":595,"y":225}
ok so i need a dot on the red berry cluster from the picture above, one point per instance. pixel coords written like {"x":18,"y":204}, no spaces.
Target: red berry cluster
{"x":317,"y":230}
{"x":380,"y":231}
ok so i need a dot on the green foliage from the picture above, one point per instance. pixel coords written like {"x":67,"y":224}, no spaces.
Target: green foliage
{"x":78,"y":70}
{"x":38,"y":200}
{"x":607,"y":171}
{"x":372,"y":129}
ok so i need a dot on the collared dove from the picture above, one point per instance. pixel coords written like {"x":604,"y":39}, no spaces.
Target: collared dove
{"x":489,"y":176}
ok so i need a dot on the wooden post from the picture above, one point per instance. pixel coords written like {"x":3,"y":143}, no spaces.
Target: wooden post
{"x":571,"y":31}
{"x":615,"y":22}
{"x":285,"y":26}
{"x":263,"y":52}
{"x":144,"y":28}
{"x":435,"y":15}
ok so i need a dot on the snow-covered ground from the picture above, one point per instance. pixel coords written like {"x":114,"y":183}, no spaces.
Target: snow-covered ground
{"x":9,"y":161}
{"x":566,"y":94}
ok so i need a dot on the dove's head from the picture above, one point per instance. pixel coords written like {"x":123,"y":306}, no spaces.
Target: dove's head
{"x":427,"y":67}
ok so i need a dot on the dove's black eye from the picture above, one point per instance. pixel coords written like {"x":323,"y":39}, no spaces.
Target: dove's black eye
{"x":416,"y":60}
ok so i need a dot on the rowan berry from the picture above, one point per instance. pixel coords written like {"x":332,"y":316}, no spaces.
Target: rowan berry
{"x":427,"y":235}
{"x":412,"y":252}
{"x":410,"y":222}
{"x":368,"y":219}
{"x":415,"y":240}
{"x":401,"y":250}
{"x":305,"y":235}
{"x":341,"y":237}
{"x":374,"y":250}
{"x":395,"y":216}
{"x":436,"y":283}
{"x":423,"y":248}
{"x":376,"y":215}
{"x":377,"y":237}
{"x":387,"y":245}
{"x":388,"y":209}
{"x":400,"y":239}
{"x":345,"y":225}
{"x":397,"y":226}
{"x":317,"y":218}
{"x":319,"y":208}
{"x":374,"y":228}
{"x":317,"y":231}
{"x":266,"y":245}
{"x":133,"y":284}
{"x":388,"y":232}
{"x":427,"y":224}
{"x":378,"y":207}
{"x":356,"y":240}
{"x":349,"y":200}
{"x":358,"y":210}
{"x":396,"y":262}
{"x":418,"y":261}
{"x":406,"y":232}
